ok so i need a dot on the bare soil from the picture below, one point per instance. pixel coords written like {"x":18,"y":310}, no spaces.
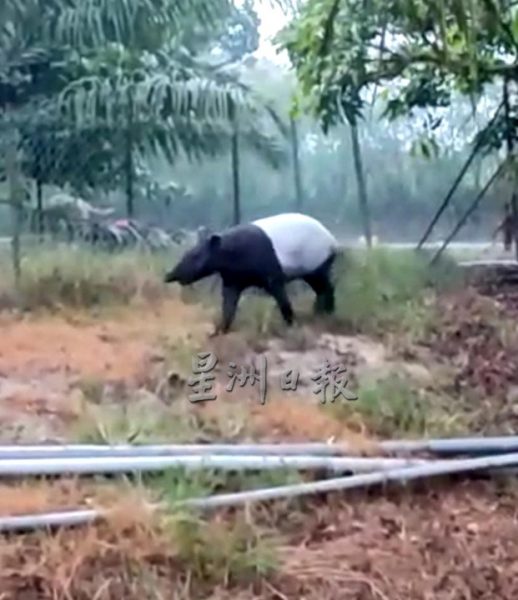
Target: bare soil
{"x":443,"y":540}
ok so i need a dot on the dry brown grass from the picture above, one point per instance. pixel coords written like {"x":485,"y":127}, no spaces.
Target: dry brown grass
{"x":117,"y":348}
{"x":452,"y":542}
{"x":96,"y":561}
{"x":134,"y":553}
{"x":444,"y":541}
{"x":299,"y":419}
{"x":457,"y":541}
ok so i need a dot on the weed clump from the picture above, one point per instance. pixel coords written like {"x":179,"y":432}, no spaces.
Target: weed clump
{"x":217,"y":552}
{"x":393,"y":407}
{"x":375,"y":290}
{"x":383,"y":289}
{"x":82,"y":277}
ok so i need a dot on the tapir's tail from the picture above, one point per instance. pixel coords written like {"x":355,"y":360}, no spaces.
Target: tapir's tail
{"x":339,"y":250}
{"x":338,"y":259}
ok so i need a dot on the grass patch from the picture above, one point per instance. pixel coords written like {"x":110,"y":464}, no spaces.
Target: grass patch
{"x":376,"y":289}
{"x":393,"y":407}
{"x":138,"y":422}
{"x":175,"y":485}
{"x":218,"y":552}
{"x":379,"y":289}
{"x":138,"y":554}
{"x":92,"y":389}
{"x":79,"y":276}
{"x":143,"y":417}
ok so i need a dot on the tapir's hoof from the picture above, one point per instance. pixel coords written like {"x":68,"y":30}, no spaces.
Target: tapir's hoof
{"x":219,"y":331}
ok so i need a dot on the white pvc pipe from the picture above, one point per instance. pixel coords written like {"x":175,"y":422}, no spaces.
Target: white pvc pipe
{"x":344,"y":483}
{"x":356,"y":481}
{"x":109,"y":465}
{"x":451,"y":446}
{"x":92,"y":450}
{"x":443,"y":447}
{"x":53,"y":519}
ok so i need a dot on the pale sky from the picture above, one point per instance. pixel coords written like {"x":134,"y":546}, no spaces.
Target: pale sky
{"x":272,"y":20}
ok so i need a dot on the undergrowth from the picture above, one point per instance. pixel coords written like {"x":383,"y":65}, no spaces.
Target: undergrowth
{"x":395,"y":407}
{"x":384,"y":289}
{"x":375,"y":289}
{"x":221,"y":553}
{"x":79,"y":276}
{"x":135,"y":554}
{"x":178,"y":484}
{"x":148,"y":421}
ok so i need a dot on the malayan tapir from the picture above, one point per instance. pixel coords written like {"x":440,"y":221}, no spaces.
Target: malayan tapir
{"x":266,"y":254}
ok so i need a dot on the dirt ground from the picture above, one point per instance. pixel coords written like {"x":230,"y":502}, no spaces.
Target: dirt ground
{"x":442,"y":541}
{"x":446,"y":540}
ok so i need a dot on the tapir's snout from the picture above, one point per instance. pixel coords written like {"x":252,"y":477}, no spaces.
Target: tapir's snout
{"x":177,"y":275}
{"x":170,"y":277}
{"x":189,"y":269}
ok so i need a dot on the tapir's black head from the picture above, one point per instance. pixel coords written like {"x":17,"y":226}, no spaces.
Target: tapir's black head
{"x":197,"y":263}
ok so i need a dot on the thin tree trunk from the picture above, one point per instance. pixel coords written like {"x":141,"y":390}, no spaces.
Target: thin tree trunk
{"x":15,"y":200}
{"x":130,"y":205}
{"x":362,"y":190}
{"x":296,"y":164}
{"x":470,"y":211}
{"x":236,"y":218}
{"x":458,"y":179}
{"x":39,"y":207}
{"x":514,"y":212}
{"x":510,"y":151}
{"x":479,"y":164}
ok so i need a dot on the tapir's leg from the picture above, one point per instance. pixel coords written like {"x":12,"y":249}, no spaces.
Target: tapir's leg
{"x":328,"y":302}
{"x":321,"y":284}
{"x":278,"y":291}
{"x":231,"y":295}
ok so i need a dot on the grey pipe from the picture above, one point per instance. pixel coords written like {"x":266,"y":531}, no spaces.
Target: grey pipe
{"x":70,"y":518}
{"x":92,"y":450}
{"x":46,"y":520}
{"x":355,"y":481}
{"x":442,"y":447}
{"x":452,"y":446}
{"x":109,"y":465}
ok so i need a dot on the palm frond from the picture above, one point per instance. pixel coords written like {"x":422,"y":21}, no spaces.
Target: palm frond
{"x":86,"y":23}
{"x":197,"y":140}
{"x":267,"y":147}
{"x":114,"y":72}
{"x":163,"y":95}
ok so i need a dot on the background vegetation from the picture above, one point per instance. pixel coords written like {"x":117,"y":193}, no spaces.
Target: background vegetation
{"x":178,"y":124}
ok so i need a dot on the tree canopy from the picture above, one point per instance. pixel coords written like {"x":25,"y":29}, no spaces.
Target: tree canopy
{"x":72,"y":112}
{"x":422,"y":52}
{"x":101,"y":70}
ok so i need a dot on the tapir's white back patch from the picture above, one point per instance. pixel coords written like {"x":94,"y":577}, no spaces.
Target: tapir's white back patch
{"x":301,"y":243}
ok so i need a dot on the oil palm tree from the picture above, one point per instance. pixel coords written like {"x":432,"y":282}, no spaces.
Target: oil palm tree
{"x":120,"y":66}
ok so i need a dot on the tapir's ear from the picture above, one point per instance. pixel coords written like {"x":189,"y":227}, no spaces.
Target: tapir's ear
{"x":214,"y":241}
